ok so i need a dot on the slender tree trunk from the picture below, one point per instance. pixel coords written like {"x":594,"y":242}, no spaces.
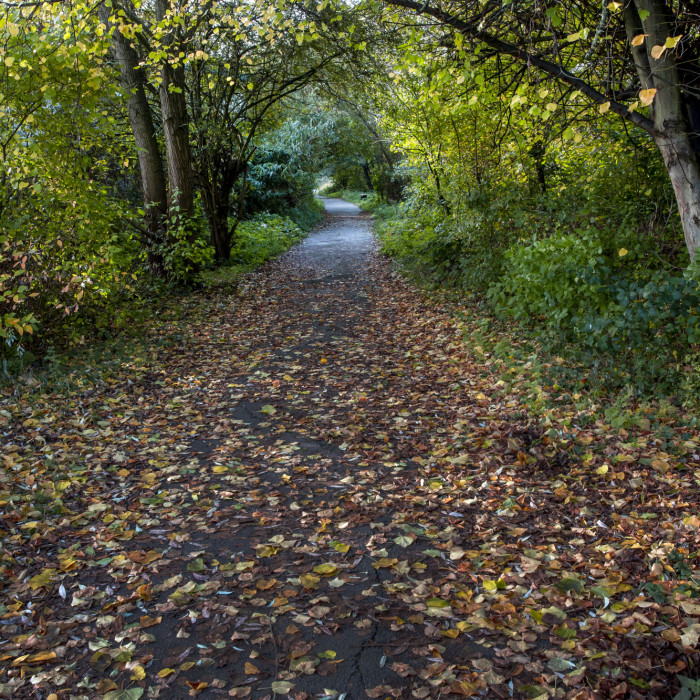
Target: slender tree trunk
{"x":538,"y":153}
{"x":216,"y":203}
{"x":177,"y":139}
{"x":173,"y":105}
{"x":368,"y":176}
{"x":153,"y":180}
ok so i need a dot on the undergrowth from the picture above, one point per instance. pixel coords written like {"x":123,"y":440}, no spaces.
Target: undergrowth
{"x":154,"y":316}
{"x":594,"y":333}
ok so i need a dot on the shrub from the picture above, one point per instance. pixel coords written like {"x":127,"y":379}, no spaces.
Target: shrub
{"x":262,"y":238}
{"x":556,"y":278}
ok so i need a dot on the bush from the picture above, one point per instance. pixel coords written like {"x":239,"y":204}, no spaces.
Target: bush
{"x":65,"y":264}
{"x":556,"y":279}
{"x":262,"y":238}
{"x":186,"y":251}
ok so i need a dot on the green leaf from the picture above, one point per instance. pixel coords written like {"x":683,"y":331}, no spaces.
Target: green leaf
{"x":282,"y":687}
{"x":196,"y":565}
{"x":129,"y":694}
{"x":570,"y":584}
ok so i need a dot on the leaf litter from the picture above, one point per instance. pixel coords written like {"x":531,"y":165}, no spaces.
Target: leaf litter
{"x":321,"y":491}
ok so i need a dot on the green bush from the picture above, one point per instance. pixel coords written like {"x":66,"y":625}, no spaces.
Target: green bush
{"x":580,"y":285}
{"x":555,"y":279}
{"x":307,"y":213}
{"x":262,"y":238}
{"x":186,"y":251}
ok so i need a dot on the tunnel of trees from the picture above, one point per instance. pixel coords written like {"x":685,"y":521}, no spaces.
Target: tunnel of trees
{"x":543,"y":156}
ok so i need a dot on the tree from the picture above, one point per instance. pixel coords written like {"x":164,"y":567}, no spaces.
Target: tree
{"x":236,"y":92}
{"x":637,"y":59}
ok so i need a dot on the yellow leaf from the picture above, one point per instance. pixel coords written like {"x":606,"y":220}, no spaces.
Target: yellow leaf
{"x":220,"y":469}
{"x":41,"y":657}
{"x":622,"y":252}
{"x":165,"y":672}
{"x":672,"y":41}
{"x":385,"y":563}
{"x":646,"y":97}
{"x":638,"y":40}
{"x":604,"y":107}
{"x":42,"y":579}
{"x":250,"y":669}
{"x":657,"y":52}
{"x":309,"y":580}
{"x":602,"y":470}
{"x":326,"y":569}
{"x":139,"y":673}
{"x":660,"y":466}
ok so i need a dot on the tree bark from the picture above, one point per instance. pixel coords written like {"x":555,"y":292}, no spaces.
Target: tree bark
{"x":151,"y":169}
{"x":173,"y":105}
{"x":177,"y":140}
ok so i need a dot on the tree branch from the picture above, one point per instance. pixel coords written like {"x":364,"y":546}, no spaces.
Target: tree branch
{"x":474,"y":31}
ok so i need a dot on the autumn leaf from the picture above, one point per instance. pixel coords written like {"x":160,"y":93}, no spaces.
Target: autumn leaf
{"x":646,"y":97}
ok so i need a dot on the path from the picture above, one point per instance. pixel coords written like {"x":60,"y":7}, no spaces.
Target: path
{"x":312,"y":494}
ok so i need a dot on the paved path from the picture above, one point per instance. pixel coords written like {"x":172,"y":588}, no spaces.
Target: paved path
{"x":256,"y":514}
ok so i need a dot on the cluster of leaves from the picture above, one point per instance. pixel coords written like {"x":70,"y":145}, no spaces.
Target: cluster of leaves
{"x":264,"y":237}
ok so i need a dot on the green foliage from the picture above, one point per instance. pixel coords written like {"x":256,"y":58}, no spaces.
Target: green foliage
{"x":185,"y":251}
{"x":307,"y":213}
{"x":556,"y":278}
{"x":66,"y":260}
{"x":257,"y":241}
{"x":263,"y":238}
{"x":389,"y":183}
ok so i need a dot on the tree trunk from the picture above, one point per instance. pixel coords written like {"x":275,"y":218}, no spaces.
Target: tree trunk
{"x":173,"y":105}
{"x":674,"y":136}
{"x":153,"y":180}
{"x":216,"y":202}
{"x":538,"y":153}
{"x":368,"y":176}
{"x":684,"y":170}
{"x":177,"y":140}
